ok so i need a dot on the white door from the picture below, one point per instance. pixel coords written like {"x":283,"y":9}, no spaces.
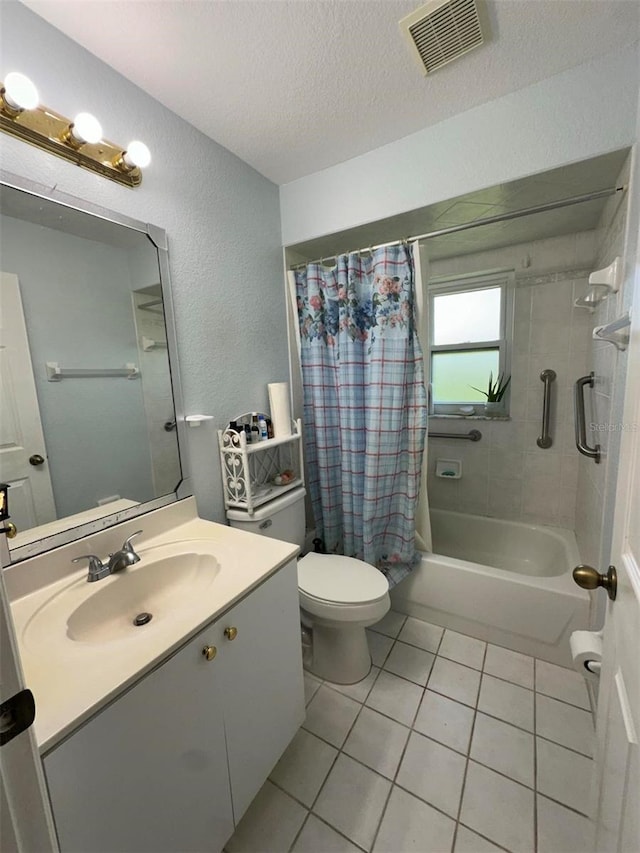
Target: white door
{"x":26,"y":824}
{"x":21,"y":437}
{"x":618,"y":723}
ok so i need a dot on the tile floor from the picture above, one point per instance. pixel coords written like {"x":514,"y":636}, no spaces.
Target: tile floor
{"x":449,"y":744}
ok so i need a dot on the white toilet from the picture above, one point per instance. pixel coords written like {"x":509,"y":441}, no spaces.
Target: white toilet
{"x":339,"y":596}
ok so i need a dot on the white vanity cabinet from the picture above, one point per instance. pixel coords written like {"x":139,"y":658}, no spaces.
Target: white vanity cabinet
{"x":173,"y":763}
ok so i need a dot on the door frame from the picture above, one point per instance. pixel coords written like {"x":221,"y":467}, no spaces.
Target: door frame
{"x":26,"y":819}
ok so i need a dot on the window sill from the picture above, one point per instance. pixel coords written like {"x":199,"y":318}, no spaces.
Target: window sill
{"x":453,"y":417}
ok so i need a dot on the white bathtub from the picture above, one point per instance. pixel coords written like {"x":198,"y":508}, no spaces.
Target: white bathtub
{"x":502,"y":581}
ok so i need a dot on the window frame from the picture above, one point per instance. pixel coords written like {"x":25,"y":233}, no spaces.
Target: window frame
{"x":503,"y":279}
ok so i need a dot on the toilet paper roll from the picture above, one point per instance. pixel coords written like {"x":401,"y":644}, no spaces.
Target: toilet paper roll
{"x":586,"y":650}
{"x":280,"y":405}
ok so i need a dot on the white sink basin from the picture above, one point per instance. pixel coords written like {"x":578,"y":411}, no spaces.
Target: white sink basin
{"x":166,"y":582}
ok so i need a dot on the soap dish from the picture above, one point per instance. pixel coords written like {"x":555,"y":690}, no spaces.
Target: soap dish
{"x":449,"y":469}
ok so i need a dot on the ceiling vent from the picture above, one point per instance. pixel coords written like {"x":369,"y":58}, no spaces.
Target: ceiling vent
{"x":441,"y":31}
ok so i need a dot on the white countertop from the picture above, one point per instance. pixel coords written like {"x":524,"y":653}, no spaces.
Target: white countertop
{"x":72,"y":679}
{"x":33,"y":534}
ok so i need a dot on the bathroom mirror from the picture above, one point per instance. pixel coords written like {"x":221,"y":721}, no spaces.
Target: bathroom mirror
{"x":91,"y":419}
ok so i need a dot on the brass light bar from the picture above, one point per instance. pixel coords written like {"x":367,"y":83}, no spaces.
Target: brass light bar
{"x":50,"y":131}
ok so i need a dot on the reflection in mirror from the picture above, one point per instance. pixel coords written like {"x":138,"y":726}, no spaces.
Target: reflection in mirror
{"x":87,"y":419}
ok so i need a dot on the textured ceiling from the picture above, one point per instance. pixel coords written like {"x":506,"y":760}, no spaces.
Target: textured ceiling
{"x":295,"y":86}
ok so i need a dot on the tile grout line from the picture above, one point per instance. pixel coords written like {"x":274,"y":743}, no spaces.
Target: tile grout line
{"x":468,"y":756}
{"x":424,"y":687}
{"x":404,"y":750}
{"x":333,"y":763}
{"x":411,"y":730}
{"x":564,"y":746}
{"x":485,"y":837}
{"x":430,"y":737}
{"x":337,"y":756}
{"x":388,"y":797}
{"x":417,"y":796}
{"x":464,"y":704}
{"x":483,"y":672}
{"x":535,"y":756}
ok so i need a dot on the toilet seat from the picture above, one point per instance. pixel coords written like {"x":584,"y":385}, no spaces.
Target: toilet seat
{"x":340,"y":581}
{"x":339,"y":598}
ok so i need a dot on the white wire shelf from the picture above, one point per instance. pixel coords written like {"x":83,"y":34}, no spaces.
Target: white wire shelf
{"x":265,"y":497}
{"x":249,"y":469}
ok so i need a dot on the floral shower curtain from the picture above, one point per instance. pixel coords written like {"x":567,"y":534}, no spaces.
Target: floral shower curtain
{"x":365,"y":405}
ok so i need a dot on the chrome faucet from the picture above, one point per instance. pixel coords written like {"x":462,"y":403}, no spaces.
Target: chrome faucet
{"x":118,"y":561}
{"x":126,"y":556}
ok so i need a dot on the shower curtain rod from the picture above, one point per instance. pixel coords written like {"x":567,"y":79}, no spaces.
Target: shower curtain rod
{"x":489,"y":220}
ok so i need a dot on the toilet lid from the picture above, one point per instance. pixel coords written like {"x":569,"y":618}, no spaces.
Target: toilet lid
{"x":343,"y":580}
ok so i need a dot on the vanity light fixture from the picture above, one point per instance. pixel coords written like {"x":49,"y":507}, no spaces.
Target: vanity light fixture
{"x":84,"y":128}
{"x":79,"y":141}
{"x":19,"y":93}
{"x":136,"y":155}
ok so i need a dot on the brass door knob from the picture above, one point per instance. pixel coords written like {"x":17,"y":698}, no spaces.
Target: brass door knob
{"x":589,"y":578}
{"x":36,"y":459}
{"x":209,"y":652}
{"x":231,"y":633}
{"x":10,"y":529}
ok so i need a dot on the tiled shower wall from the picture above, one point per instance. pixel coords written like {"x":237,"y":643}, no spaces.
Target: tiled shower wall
{"x":596,"y":483}
{"x":157,"y":396}
{"x":506,"y":475}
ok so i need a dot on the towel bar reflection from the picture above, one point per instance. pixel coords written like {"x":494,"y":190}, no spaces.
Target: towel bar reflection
{"x":581,"y":419}
{"x":55,"y":373}
{"x":545,"y":441}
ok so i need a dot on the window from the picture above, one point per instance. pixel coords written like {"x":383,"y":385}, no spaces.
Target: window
{"x":470,"y":339}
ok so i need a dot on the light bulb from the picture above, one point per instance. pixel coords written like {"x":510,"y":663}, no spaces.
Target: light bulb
{"x":86,"y":128}
{"x":137,"y":154}
{"x":19,"y":92}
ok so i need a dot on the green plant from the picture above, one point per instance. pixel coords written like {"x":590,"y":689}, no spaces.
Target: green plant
{"x":496,"y":390}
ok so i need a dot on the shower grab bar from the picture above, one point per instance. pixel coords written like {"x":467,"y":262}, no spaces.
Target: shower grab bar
{"x":581,"y":418}
{"x":472,"y":435}
{"x":545,"y":441}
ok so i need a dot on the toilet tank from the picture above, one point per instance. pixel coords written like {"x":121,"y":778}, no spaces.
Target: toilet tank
{"x":282,"y":518}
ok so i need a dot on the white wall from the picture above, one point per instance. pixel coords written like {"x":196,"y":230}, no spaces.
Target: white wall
{"x":617,"y":237}
{"x":221,"y":216}
{"x":583,"y":112}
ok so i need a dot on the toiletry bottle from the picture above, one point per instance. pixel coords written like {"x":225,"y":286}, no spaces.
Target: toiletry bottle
{"x":255,"y":429}
{"x":247,"y":433}
{"x":262,"y":424}
{"x":269,"y":427}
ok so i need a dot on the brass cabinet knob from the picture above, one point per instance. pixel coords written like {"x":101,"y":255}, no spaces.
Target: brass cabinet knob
{"x":231,"y":633}
{"x":589,"y":578}
{"x":209,"y":652}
